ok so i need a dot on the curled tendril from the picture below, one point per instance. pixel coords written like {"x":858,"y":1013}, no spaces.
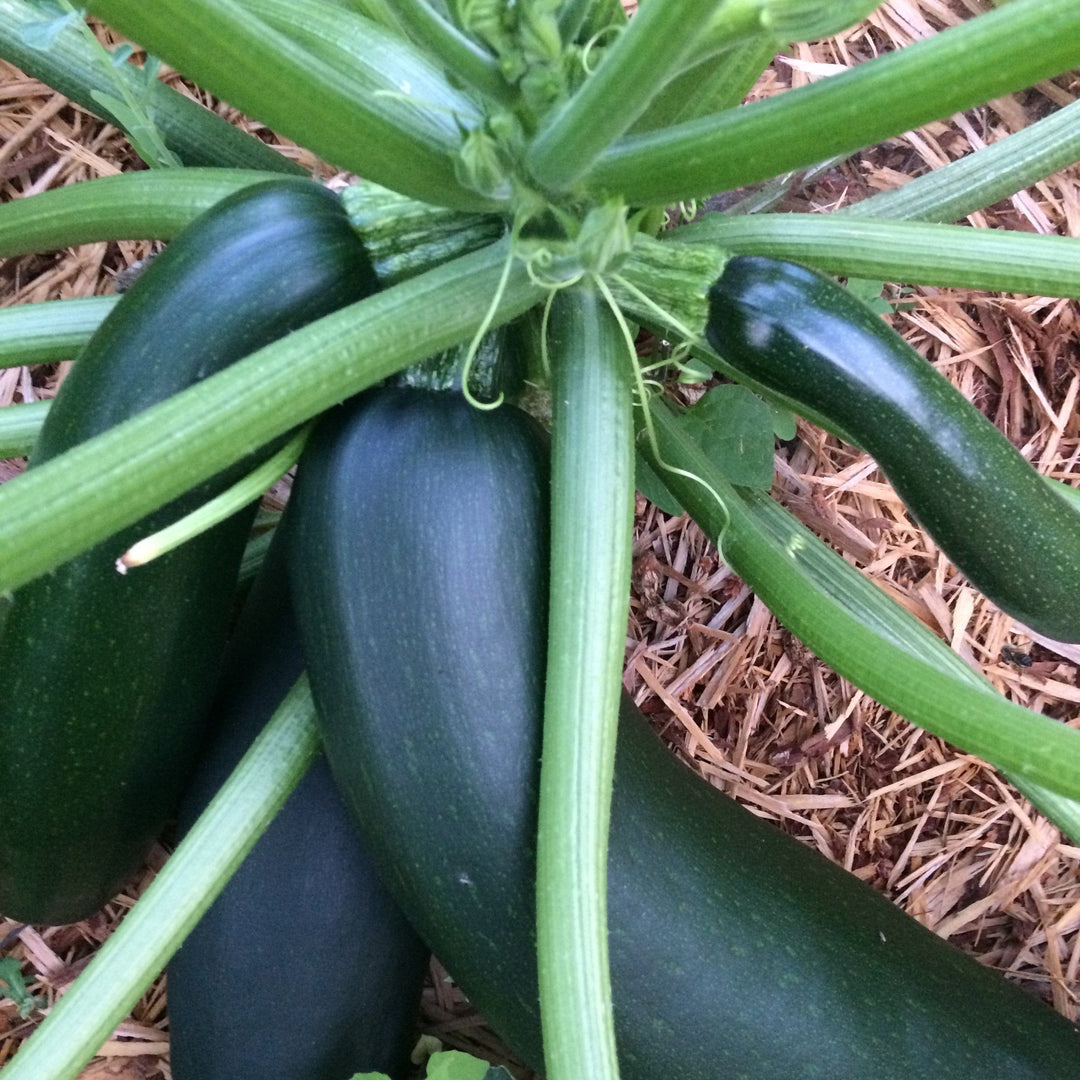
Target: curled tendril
{"x":641,"y":384}
{"x":592,"y":43}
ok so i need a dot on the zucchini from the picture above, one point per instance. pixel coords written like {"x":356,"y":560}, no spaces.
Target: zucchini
{"x":735,"y":951}
{"x":303,"y":967}
{"x":798,"y":333}
{"x":107,"y":678}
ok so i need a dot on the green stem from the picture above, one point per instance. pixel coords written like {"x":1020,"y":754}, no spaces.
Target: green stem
{"x":69,"y":65}
{"x":1032,"y":747}
{"x":200,"y":867}
{"x":908,"y":251}
{"x":610,"y":100}
{"x":984,"y":177}
{"x":990,"y":55}
{"x":710,"y":86}
{"x":52,"y":330}
{"x":592,"y":520}
{"x":19,"y":427}
{"x":73,"y":501}
{"x":407,"y":79}
{"x":456,"y":50}
{"x":243,"y":493}
{"x":270,"y":77}
{"x":153,"y":205}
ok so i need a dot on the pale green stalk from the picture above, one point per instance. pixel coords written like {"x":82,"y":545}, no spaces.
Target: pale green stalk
{"x":982,"y":178}
{"x":104,"y":994}
{"x":457,"y":51}
{"x":50,"y":330}
{"x":151,"y":205}
{"x":81,"y":497}
{"x":591,"y":530}
{"x":20,"y":425}
{"x":270,"y":77}
{"x":70,"y":66}
{"x":1029,"y":747}
{"x":610,"y":100}
{"x":987,"y":56}
{"x":918,"y":252}
{"x":244,"y":492}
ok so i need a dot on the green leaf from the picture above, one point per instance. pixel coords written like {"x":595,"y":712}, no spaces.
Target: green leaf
{"x":735,"y":429}
{"x":13,"y":985}
{"x":783,"y":422}
{"x":869,"y":292}
{"x":653,"y":488}
{"x":42,"y":35}
{"x":455,"y":1065}
{"x":1036,"y":751}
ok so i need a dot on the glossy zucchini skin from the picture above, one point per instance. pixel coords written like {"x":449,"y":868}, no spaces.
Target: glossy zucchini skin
{"x":304,"y":967}
{"x":799,"y":333}
{"x":735,"y":950}
{"x":107,"y":678}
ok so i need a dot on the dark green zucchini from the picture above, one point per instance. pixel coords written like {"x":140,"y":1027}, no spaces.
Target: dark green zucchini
{"x":735,"y":951}
{"x":799,"y":333}
{"x":106,"y":679}
{"x":303,"y":967}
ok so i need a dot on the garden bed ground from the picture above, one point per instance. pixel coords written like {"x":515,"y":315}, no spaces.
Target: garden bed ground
{"x":733,"y":692}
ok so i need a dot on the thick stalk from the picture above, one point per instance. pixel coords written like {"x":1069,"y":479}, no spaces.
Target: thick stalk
{"x":153,"y":205}
{"x":612,"y":98}
{"x":982,"y":178}
{"x":272,"y":78}
{"x":990,"y":55}
{"x":199,"y":869}
{"x":456,"y":50}
{"x":592,"y":521}
{"x":1032,"y":747}
{"x":72,"y":66}
{"x":73,"y":501}
{"x":51,"y":330}
{"x":714,"y":84}
{"x":910,"y":251}
{"x":407,"y":79}
{"x":19,"y":427}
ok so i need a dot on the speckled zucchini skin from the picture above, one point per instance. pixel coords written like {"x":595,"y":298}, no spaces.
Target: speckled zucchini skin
{"x":106,"y":679}
{"x":735,"y":951}
{"x":303,"y":967}
{"x":799,"y":333}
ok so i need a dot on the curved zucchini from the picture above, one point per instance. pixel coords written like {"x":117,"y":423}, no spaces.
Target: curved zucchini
{"x":303,"y":967}
{"x":107,"y":678}
{"x":800,"y":334}
{"x":735,"y":950}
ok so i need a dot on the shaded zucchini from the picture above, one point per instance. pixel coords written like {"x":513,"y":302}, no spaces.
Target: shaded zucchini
{"x":303,"y":967}
{"x":735,"y":951}
{"x":107,"y":678}
{"x":800,"y":334}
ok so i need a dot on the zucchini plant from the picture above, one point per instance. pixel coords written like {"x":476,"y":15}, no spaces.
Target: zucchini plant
{"x":525,"y":155}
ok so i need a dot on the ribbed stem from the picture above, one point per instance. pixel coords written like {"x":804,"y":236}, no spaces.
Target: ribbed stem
{"x":50,"y":330}
{"x":981,"y":179}
{"x":70,"y":66}
{"x":265,"y":73}
{"x":592,"y":520}
{"x":199,"y":869}
{"x":909,"y":251}
{"x":990,"y":55}
{"x":152,"y":205}
{"x":611,"y":99}
{"x":71,"y":502}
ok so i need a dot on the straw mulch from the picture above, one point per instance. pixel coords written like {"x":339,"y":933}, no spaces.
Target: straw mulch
{"x":731,"y":691}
